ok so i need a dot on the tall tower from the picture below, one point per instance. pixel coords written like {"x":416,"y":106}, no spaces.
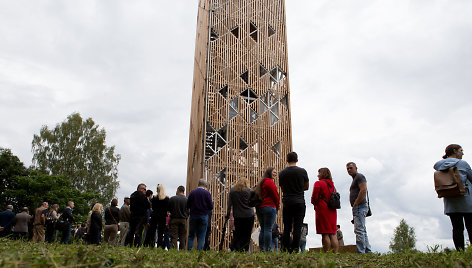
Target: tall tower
{"x":240,"y":117}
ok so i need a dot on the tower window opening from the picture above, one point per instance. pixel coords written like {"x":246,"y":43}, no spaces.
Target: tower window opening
{"x":253,"y":31}
{"x":222,"y":176}
{"x":214,"y":140}
{"x":233,"y":108}
{"x":262,"y":70}
{"x":213,"y":35}
{"x":253,"y":115}
{"x":249,"y":96}
{"x":242,"y":145}
{"x":235,"y":31}
{"x":271,"y":31}
{"x":276,"y":148}
{"x":224,"y":91}
{"x":245,"y":76}
{"x":284,"y":101}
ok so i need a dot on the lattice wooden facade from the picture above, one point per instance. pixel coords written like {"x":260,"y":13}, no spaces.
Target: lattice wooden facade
{"x":240,"y":116}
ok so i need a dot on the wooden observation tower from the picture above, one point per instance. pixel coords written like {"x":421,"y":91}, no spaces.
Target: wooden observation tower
{"x":240,"y":117}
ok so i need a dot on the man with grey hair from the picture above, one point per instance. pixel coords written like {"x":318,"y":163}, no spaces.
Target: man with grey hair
{"x":39,"y":222}
{"x":6,"y":220}
{"x":68,"y":219}
{"x":357,"y":197}
{"x":21,"y":224}
{"x":200,"y":204}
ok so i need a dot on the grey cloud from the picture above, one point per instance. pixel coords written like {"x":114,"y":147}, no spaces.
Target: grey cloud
{"x":373,"y":82}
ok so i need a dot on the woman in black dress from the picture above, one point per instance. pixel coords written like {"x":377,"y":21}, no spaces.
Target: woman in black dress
{"x":160,"y":205}
{"x":95,"y":229}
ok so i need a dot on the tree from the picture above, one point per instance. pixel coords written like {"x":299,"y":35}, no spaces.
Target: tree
{"x":10,"y":166}
{"x":404,"y":238}
{"x":76,"y":149}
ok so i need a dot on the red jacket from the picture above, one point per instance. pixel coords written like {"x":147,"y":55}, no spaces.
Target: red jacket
{"x":270,"y":195}
{"x":320,"y":188}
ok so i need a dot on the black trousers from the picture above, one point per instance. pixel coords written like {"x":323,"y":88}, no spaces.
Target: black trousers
{"x":135,"y":233}
{"x":293,"y":216}
{"x":150,"y":239}
{"x":20,"y":235}
{"x":242,"y":233}
{"x":457,"y":220}
{"x":159,"y":224}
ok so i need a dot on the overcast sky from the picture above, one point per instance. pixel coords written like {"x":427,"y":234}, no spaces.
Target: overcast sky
{"x":383,"y":83}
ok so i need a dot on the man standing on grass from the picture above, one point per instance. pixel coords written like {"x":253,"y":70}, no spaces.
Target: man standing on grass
{"x":21,"y":224}
{"x":139,"y":204}
{"x":200,"y":205}
{"x":39,"y":221}
{"x":357,"y":197}
{"x":294,"y":181}
{"x":6,"y":220}
{"x":68,"y":219}
{"x":178,"y":218}
{"x":125,"y":215}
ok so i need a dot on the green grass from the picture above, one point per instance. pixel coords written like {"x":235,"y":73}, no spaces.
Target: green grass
{"x":27,"y":254}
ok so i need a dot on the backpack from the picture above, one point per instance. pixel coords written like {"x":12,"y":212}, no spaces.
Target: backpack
{"x":49,"y":220}
{"x":448,"y":183}
{"x":334,"y":198}
{"x":254,"y":200}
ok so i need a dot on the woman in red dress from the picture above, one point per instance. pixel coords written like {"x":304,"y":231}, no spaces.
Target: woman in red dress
{"x":325,"y":218}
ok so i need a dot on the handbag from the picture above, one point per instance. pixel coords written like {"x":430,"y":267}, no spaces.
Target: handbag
{"x":254,"y":199}
{"x":369,"y":212}
{"x":334,"y":198}
{"x":117,"y":224}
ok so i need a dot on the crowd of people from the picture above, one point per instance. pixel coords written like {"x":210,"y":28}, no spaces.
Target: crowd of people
{"x":42,"y":226}
{"x":149,"y":220}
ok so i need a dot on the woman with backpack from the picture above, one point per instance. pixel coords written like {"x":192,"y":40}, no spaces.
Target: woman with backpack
{"x":51,"y":219}
{"x":458,"y":208}
{"x":267,"y":210}
{"x":243,"y":215}
{"x":325,"y":217}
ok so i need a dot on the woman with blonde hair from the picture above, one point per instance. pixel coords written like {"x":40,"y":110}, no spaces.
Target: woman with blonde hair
{"x":160,"y":205}
{"x":95,"y":229}
{"x":243,"y":215}
{"x":325,"y":217}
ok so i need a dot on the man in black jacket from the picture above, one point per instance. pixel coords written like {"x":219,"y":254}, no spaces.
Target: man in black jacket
{"x":68,"y":219}
{"x":139,"y":204}
{"x":112,"y":219}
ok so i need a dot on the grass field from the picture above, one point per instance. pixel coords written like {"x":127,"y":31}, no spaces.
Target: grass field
{"x":27,"y":254}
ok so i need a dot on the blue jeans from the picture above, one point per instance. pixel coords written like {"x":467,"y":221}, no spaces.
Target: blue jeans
{"x":275,"y":244}
{"x":266,"y":217}
{"x":198,"y":228}
{"x":362,"y":241}
{"x":66,"y":234}
{"x":302,"y":246}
